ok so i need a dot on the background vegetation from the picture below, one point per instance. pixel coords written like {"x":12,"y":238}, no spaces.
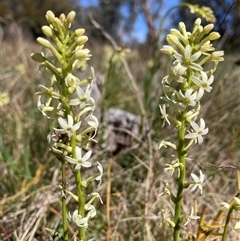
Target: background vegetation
{"x":29,"y":177}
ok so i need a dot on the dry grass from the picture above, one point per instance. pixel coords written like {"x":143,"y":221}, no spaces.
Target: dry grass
{"x":134,"y":177}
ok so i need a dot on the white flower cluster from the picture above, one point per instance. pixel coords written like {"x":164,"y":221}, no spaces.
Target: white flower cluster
{"x":67,"y":101}
{"x":188,"y":80}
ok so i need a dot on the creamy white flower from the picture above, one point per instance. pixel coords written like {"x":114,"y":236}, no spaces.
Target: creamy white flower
{"x":80,"y":160}
{"x":91,"y":211}
{"x":191,"y":216}
{"x":67,"y":126}
{"x":71,"y":80}
{"x":199,"y":131}
{"x":164,"y":114}
{"x":198,"y":182}
{"x":84,"y":99}
{"x":49,"y":92}
{"x":93,"y":122}
{"x":44,"y":108}
{"x":174,"y":166}
{"x":188,"y":98}
{"x":188,"y":60}
{"x":203,"y":84}
{"x":78,"y":220}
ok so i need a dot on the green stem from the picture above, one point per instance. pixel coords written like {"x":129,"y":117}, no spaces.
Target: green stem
{"x":80,"y":191}
{"x":224,"y":236}
{"x":81,"y":203}
{"x":181,"y":157}
{"x":64,"y":205}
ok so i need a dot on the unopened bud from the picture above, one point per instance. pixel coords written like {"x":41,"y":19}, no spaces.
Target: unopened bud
{"x":172,"y":39}
{"x":79,"y":31}
{"x":82,"y":40}
{"x":50,"y":15}
{"x":62,"y":17}
{"x":166,"y":49}
{"x":214,"y":36}
{"x":47,"y":31}
{"x":198,"y":21}
{"x":71,"y":16}
{"x":44,"y":42}
{"x":208,"y":28}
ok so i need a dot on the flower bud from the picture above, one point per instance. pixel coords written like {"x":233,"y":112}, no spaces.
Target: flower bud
{"x":47,"y":31}
{"x":71,"y":16}
{"x":166,"y":49}
{"x":214,"y":36}
{"x":82,"y":40}
{"x":44,"y":42}
{"x":198,"y":21}
{"x":58,"y":24}
{"x":172,"y":39}
{"x":208,"y":28}
{"x":62,"y":17}
{"x":79,"y":31}
{"x":50,"y":15}
{"x":182,"y":27}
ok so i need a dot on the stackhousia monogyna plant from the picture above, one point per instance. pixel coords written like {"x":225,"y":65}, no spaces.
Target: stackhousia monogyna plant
{"x":190,"y":77}
{"x":66,"y":101}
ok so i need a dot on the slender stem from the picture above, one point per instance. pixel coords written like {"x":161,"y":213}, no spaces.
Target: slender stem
{"x":64,"y":205}
{"x":81,"y":203}
{"x":181,"y":157}
{"x":80,"y":192}
{"x":224,"y":236}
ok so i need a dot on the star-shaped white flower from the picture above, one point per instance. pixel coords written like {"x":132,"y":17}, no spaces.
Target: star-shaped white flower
{"x":174,"y":166}
{"x":83,"y":98}
{"x":91,"y":211}
{"x":80,"y":160}
{"x":164,"y":114}
{"x":67,"y":126}
{"x":198,"y":131}
{"x":44,"y":108}
{"x":203,"y":84}
{"x":78,"y":220}
{"x":191,"y":216}
{"x":188,"y":60}
{"x":93,"y":122}
{"x":198,"y":182}
{"x":188,"y":98}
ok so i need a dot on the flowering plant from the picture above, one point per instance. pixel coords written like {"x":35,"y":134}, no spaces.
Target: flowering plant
{"x":66,"y":101}
{"x":189,"y":79}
